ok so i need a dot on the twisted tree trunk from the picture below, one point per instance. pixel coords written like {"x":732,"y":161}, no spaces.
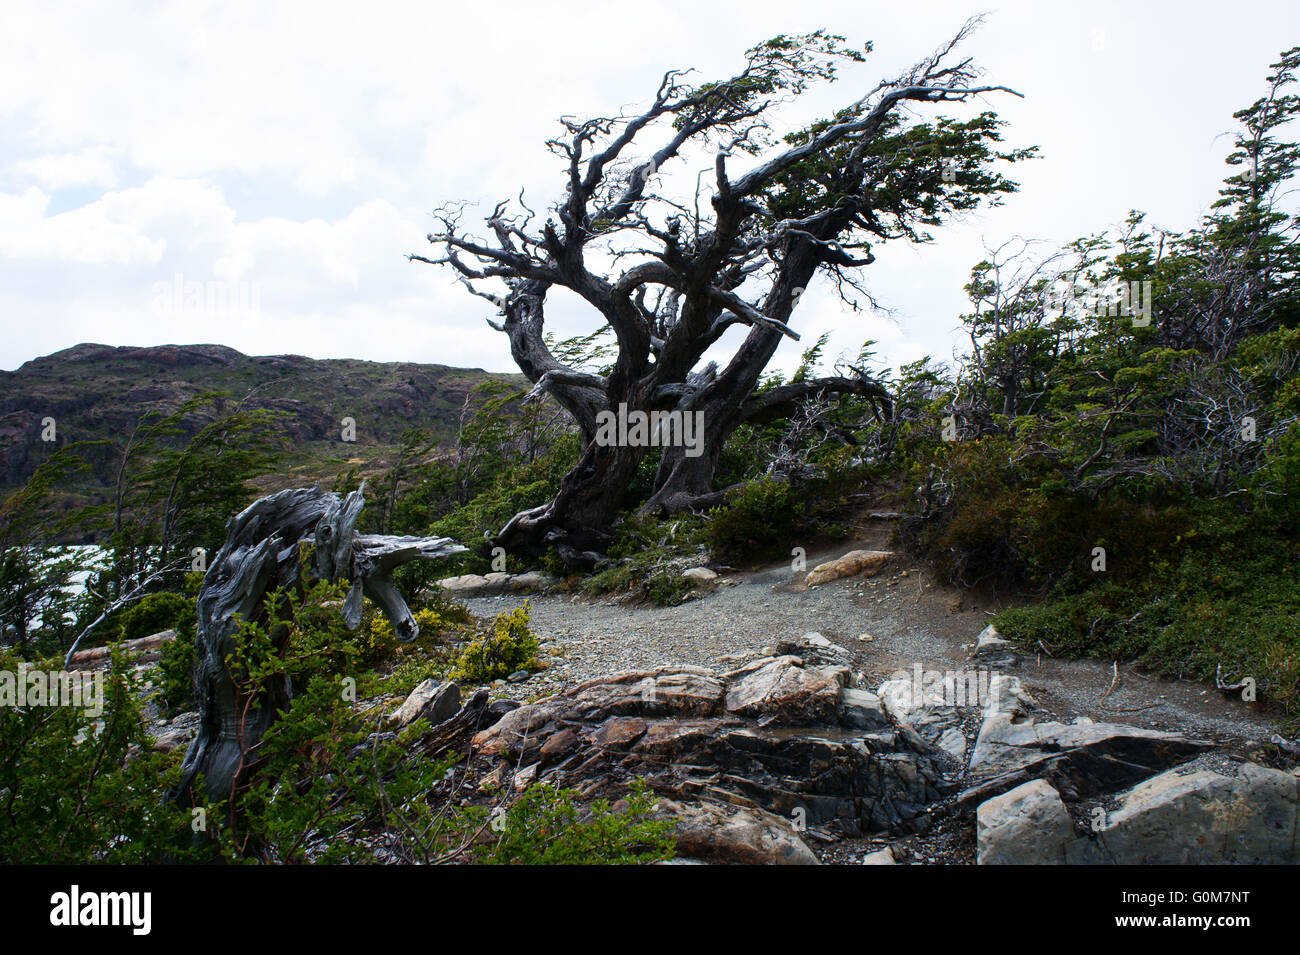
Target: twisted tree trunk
{"x":262,"y":552}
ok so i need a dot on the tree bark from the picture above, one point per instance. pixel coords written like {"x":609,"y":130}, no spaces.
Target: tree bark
{"x":262,"y":553}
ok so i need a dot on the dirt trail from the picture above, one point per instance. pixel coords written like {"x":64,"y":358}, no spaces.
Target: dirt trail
{"x":909,"y":618}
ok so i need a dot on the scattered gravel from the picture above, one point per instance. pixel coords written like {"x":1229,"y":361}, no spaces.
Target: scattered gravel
{"x":890,"y":622}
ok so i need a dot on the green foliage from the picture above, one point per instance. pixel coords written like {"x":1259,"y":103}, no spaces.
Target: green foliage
{"x":548,"y":826}
{"x":767,"y":517}
{"x":327,"y":789}
{"x":1175,"y":447}
{"x":156,"y":613}
{"x":176,"y":663}
{"x":77,"y":791}
{"x":506,"y":647}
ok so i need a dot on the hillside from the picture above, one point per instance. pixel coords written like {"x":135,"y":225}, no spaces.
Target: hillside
{"x":97,"y":392}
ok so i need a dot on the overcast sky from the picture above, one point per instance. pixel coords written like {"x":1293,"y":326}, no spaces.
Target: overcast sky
{"x":287,"y":155}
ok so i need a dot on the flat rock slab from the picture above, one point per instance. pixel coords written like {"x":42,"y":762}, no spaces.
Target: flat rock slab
{"x":1080,"y":759}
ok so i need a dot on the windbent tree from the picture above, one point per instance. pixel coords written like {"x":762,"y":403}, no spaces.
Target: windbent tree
{"x":671,"y":273}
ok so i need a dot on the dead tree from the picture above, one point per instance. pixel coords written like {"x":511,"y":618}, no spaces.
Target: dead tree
{"x":671,"y":274}
{"x":263,"y":552}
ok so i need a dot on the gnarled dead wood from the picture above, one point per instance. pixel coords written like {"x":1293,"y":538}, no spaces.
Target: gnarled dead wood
{"x":263,"y":552}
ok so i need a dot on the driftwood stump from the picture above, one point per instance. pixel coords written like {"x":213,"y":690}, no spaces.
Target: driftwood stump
{"x":262,"y":552}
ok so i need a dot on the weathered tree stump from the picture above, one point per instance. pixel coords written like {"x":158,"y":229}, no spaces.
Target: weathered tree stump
{"x":262,"y":552}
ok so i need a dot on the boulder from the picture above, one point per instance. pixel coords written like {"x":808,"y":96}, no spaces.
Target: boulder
{"x":701,"y":577}
{"x":530,"y":581}
{"x":431,"y":700}
{"x":464,"y":585}
{"x":851,"y":564}
{"x":732,"y":834}
{"x":1206,"y":818}
{"x":1026,"y":826}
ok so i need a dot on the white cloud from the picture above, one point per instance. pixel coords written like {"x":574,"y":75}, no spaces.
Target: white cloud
{"x":302,"y":147}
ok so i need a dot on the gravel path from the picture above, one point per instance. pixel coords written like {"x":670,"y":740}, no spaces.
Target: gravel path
{"x":893,"y":621}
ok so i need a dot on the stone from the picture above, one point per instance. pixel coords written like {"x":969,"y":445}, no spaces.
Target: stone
{"x":993,"y":650}
{"x":466,"y":584}
{"x":510,"y":734}
{"x":619,"y":732}
{"x":860,"y":709}
{"x":519,"y":676}
{"x":701,"y":577}
{"x":731,"y":834}
{"x":684,"y":691}
{"x":559,"y":745}
{"x":853,"y":563}
{"x":1080,"y":759}
{"x":786,"y":692}
{"x":532,"y":580}
{"x":784,"y":748}
{"x":1027,"y":826}
{"x":1104,"y":756}
{"x":883,"y":856}
{"x":1206,"y":818}
{"x":169,"y":736}
{"x":813,"y":648}
{"x":430,"y":700}
{"x":930,"y":708}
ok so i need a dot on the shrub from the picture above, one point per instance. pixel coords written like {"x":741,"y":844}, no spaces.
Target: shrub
{"x":156,"y":613}
{"x":176,"y":673}
{"x":506,"y":647}
{"x":73,"y":791}
{"x":547,"y":826}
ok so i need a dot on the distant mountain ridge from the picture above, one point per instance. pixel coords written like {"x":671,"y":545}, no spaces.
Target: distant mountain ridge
{"x":99,"y":391}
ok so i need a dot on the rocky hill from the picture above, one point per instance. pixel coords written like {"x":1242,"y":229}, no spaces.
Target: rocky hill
{"x":99,"y":391}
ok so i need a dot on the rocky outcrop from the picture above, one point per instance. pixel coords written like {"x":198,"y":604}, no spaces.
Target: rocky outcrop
{"x":778,"y":734}
{"x":1178,"y":817}
{"x":1206,"y":817}
{"x":992,"y":650}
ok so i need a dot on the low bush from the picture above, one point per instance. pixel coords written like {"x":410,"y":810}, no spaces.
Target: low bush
{"x":507,"y":646}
